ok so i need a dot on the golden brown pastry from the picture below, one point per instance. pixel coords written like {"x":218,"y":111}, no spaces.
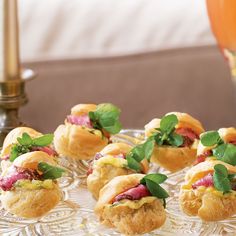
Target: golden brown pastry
{"x":22,"y":140}
{"x":84,"y":134}
{"x":129,"y":206}
{"x":12,"y":136}
{"x":200,"y":194}
{"x":29,"y":186}
{"x":174,"y":153}
{"x":109,"y":163}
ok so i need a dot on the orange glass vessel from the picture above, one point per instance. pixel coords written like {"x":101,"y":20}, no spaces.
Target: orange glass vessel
{"x":222,"y":14}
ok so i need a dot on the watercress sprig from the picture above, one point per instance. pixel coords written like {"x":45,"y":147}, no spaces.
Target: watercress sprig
{"x":152,"y":182}
{"x":25,"y":143}
{"x":210,"y":138}
{"x":166,"y":134}
{"x":49,"y":171}
{"x":138,"y":153}
{"x":222,"y":179}
{"x":225,"y":152}
{"x":106,"y":117}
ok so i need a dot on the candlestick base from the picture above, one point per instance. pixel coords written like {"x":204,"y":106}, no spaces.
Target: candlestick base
{"x":12,"y":97}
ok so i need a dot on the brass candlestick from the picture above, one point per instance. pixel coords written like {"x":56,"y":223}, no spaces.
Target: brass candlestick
{"x":12,"y":77}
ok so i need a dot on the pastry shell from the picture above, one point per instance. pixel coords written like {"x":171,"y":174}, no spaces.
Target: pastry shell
{"x":175,"y":158}
{"x":206,"y":203}
{"x":30,"y":203}
{"x":209,"y":206}
{"x":184,"y":120}
{"x":11,"y":139}
{"x":78,"y":142}
{"x":127,"y":220}
{"x":12,"y":136}
{"x":227,"y":135}
{"x":103,"y":174}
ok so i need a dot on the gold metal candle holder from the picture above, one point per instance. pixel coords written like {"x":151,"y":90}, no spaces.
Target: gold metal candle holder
{"x":12,"y":77}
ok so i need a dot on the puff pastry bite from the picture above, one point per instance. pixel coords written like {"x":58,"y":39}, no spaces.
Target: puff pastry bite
{"x":209,"y":191}
{"x":212,"y":141}
{"x":29,"y":187}
{"x":176,"y":137}
{"x":22,"y":140}
{"x":87,"y":130}
{"x":131,"y":204}
{"x":109,"y":163}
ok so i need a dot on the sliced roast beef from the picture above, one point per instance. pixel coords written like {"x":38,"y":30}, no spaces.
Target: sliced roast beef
{"x":6,"y":157}
{"x":202,"y":157}
{"x":135,"y":193}
{"x":7,"y":182}
{"x":82,"y":120}
{"x":48,"y":150}
{"x":188,"y":134}
{"x":206,"y":181}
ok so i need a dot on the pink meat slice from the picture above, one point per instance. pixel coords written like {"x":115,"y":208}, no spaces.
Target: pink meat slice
{"x":188,"y":134}
{"x":135,"y":193}
{"x":233,"y":142}
{"x":83,"y":120}
{"x":121,"y":155}
{"x":206,"y":181}
{"x":6,"y":183}
{"x":48,"y":150}
{"x":6,"y":157}
{"x":202,"y":157}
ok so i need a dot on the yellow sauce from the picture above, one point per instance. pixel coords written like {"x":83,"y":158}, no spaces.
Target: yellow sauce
{"x":110,"y":160}
{"x":201,"y":190}
{"x":134,"y":204}
{"x":35,"y":184}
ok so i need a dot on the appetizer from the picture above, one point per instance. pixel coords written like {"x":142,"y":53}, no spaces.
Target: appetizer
{"x":87,"y":130}
{"x":22,"y":140}
{"x":134,"y":204}
{"x":209,"y":191}
{"x":29,"y":186}
{"x":111,"y":162}
{"x":176,"y":137}
{"x":213,"y":143}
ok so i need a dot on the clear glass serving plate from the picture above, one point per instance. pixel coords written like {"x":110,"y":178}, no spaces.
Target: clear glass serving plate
{"x":74,"y":215}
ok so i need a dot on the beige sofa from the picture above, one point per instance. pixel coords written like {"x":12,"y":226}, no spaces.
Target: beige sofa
{"x":194,"y":80}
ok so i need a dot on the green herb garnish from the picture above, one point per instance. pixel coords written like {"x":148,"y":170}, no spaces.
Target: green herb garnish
{"x":210,"y":138}
{"x":106,"y":117}
{"x":221,"y":178}
{"x":50,"y":172}
{"x":25,"y":143}
{"x":166,"y":134}
{"x":43,"y":141}
{"x":138,"y":153}
{"x":153,"y":181}
{"x":168,"y":123}
{"x":225,"y":152}
{"x":18,"y":150}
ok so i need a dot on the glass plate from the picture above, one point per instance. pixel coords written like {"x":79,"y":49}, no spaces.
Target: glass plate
{"x":74,"y":215}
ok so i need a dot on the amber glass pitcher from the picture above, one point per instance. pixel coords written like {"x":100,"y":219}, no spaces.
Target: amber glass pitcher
{"x":222,"y":14}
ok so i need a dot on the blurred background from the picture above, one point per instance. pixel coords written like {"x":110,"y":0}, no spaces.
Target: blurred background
{"x":148,"y":57}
